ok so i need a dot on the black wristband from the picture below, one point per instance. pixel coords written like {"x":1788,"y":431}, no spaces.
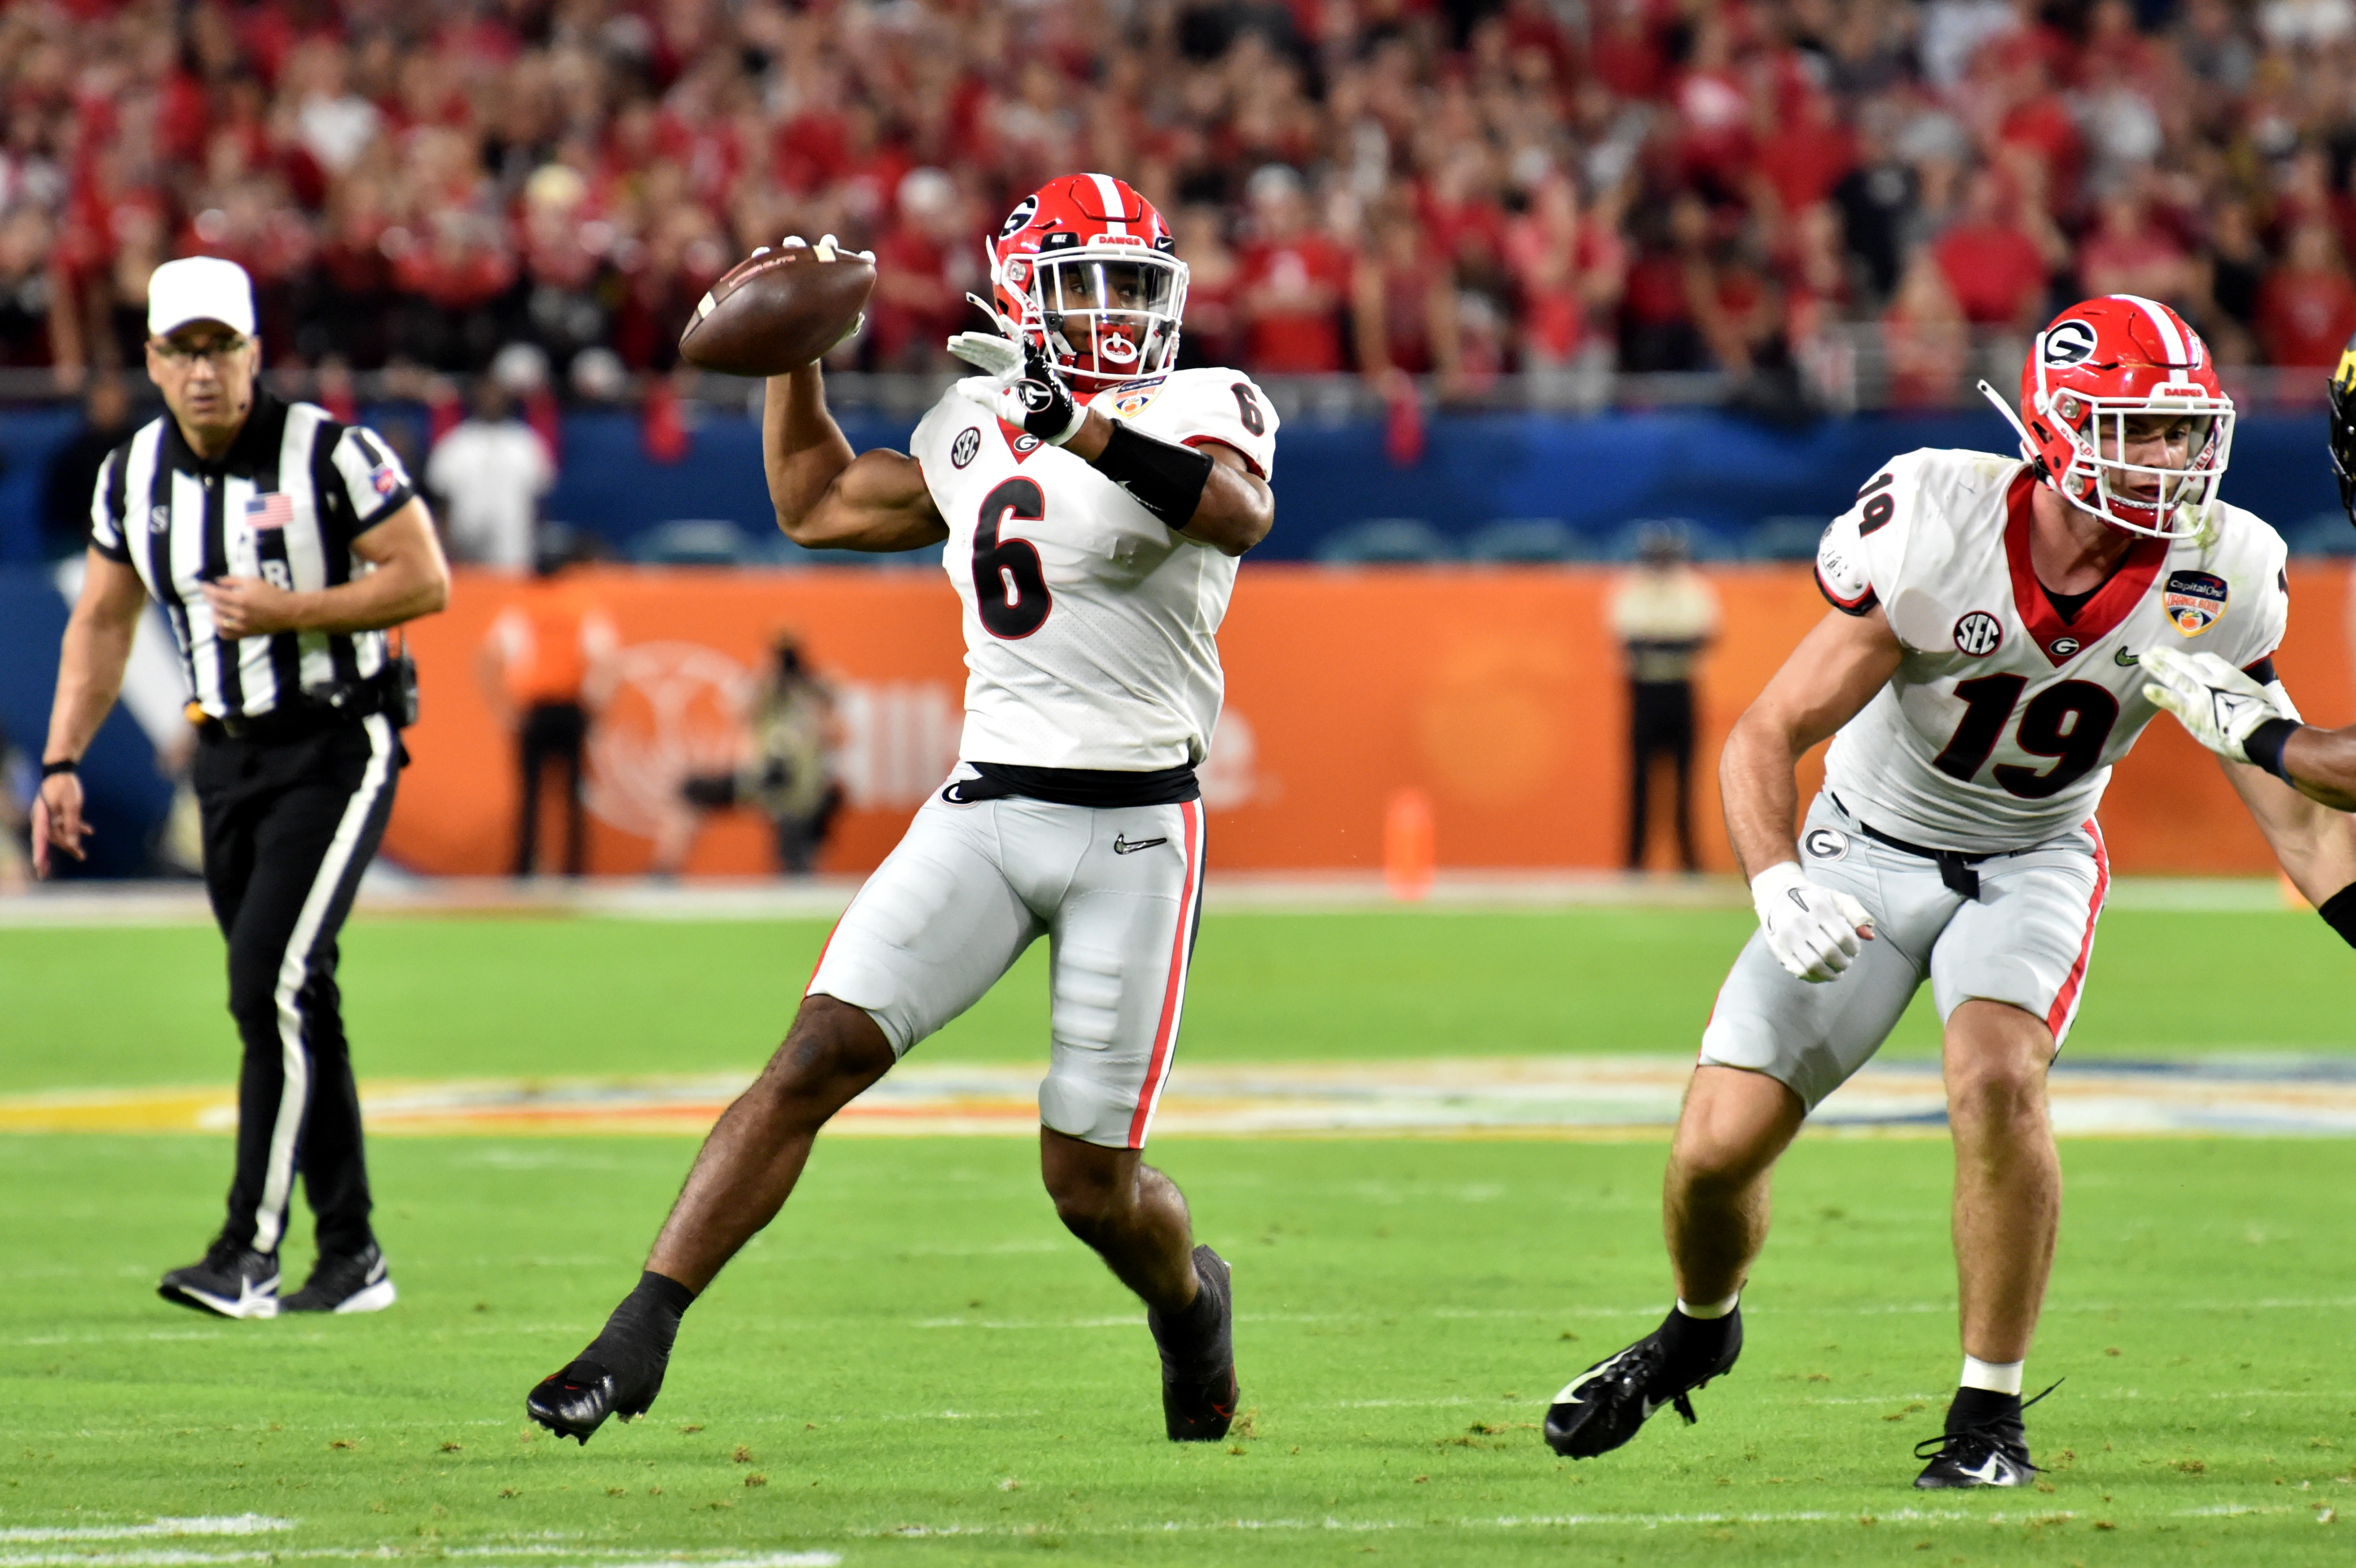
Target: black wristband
{"x":1166,"y":479}
{"x":2264,"y":744}
{"x":2338,"y":912}
{"x":64,"y":765}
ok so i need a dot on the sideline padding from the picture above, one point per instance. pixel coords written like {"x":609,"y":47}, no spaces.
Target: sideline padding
{"x":1497,"y":692}
{"x":1507,"y":1097}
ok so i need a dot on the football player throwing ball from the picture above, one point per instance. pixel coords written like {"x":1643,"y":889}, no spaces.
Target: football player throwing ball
{"x":1995,"y":626}
{"x":1093,"y":500}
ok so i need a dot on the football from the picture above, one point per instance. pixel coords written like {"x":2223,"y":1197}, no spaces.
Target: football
{"x":778,"y":310}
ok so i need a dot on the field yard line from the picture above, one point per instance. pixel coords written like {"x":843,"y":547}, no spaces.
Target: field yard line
{"x":228,"y":1524}
{"x":606,"y":1557}
{"x":1556,"y":1521}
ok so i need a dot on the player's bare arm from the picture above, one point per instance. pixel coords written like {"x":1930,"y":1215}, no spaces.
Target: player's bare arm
{"x":1825,"y":682}
{"x":89,"y":676}
{"x":2321,"y":765}
{"x":2314,"y":842}
{"x":409,"y":577}
{"x":829,"y":498}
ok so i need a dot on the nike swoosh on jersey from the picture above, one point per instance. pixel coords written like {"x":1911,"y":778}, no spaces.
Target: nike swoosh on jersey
{"x":1123,"y":846}
{"x":2121,"y":657}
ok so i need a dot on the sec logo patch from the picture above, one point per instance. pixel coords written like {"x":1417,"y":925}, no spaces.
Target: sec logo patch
{"x":2194,"y":600}
{"x":962,"y":449}
{"x":1824,"y":843}
{"x":1978,"y":634}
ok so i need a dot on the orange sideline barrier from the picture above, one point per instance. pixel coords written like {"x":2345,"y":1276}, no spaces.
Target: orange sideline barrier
{"x":1498,"y":692}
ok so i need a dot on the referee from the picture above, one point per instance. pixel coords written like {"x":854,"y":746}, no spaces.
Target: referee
{"x":280,"y":545}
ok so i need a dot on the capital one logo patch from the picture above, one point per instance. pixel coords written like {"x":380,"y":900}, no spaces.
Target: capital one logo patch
{"x":2070,"y":343}
{"x":1978,"y":634}
{"x":2193,"y":600}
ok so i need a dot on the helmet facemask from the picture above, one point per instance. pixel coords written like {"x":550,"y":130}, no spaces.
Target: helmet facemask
{"x":1104,"y":314}
{"x":2156,"y":500}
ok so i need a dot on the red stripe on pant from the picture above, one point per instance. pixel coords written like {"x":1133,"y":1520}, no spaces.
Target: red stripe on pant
{"x":2058,"y":1019}
{"x":1190,"y":812}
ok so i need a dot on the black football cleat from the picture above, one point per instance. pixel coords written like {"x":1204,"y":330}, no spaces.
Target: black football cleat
{"x":575,"y":1401}
{"x":354,"y":1282}
{"x":1992,"y":1455}
{"x":1602,"y":1407}
{"x":1198,"y":1407}
{"x":1986,"y":1453}
{"x":234,"y":1280}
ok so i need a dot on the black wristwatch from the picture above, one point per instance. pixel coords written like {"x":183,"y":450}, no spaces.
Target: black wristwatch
{"x":64,"y":765}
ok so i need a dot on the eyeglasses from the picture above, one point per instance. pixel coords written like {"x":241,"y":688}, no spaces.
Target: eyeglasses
{"x":218,"y":350}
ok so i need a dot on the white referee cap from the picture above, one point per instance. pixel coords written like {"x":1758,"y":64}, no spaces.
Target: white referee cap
{"x":200,"y":288}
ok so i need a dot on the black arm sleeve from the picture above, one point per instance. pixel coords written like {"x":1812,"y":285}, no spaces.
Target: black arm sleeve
{"x":1163,"y":478}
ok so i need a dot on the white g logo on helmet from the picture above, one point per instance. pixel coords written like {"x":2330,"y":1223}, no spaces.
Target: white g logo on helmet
{"x":2070,"y":343}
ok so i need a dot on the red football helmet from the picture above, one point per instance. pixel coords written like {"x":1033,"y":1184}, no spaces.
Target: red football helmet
{"x":2102,"y":363}
{"x":1086,"y":266}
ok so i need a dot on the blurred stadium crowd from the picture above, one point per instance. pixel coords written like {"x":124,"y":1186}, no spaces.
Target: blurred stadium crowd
{"x":1452,"y":187}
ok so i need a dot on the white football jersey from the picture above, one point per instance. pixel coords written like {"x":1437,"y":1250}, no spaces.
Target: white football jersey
{"x":2001,"y":726}
{"x":1090,"y":627}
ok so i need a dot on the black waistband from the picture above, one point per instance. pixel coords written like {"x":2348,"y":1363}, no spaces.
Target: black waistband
{"x":307,"y":715}
{"x":1954,"y":866}
{"x":1074,"y":786}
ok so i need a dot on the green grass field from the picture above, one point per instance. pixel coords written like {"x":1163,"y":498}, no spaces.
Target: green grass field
{"x":917,"y":1365}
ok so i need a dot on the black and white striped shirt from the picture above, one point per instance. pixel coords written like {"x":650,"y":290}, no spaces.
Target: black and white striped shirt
{"x":284,"y":504}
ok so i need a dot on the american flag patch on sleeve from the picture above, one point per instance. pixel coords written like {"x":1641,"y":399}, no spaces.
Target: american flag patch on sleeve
{"x":275,"y":510}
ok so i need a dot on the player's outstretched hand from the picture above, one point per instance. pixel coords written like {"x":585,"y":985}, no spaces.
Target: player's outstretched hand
{"x":1813,"y":931}
{"x":998,"y":359}
{"x":2216,"y":702}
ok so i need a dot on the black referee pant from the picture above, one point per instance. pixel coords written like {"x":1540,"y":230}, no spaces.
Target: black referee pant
{"x":1661,"y":723}
{"x":291,"y":821}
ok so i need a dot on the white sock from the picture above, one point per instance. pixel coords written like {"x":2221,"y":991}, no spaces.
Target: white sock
{"x":1711,"y":1309}
{"x":1996,"y":1377}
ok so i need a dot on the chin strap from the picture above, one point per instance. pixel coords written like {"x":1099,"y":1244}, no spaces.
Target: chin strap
{"x":2028,"y":447}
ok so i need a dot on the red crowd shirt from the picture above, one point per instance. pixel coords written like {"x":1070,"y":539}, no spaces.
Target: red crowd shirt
{"x":1296,"y":341}
{"x":1992,"y":269}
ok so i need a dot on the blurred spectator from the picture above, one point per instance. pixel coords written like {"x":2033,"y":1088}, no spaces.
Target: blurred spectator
{"x":1927,"y":340}
{"x":1664,"y":614}
{"x":925,"y":263}
{"x":38,"y":324}
{"x":2127,"y":254}
{"x":1294,"y":282}
{"x":488,"y":473}
{"x":73,"y":471}
{"x":1403,"y":307}
{"x":546,"y":668}
{"x":1995,"y":271}
{"x":2307,"y":308}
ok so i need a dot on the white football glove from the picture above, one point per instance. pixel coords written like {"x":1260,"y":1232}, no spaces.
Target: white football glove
{"x":1813,"y":931}
{"x":1030,"y":394}
{"x":2216,"y":703}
